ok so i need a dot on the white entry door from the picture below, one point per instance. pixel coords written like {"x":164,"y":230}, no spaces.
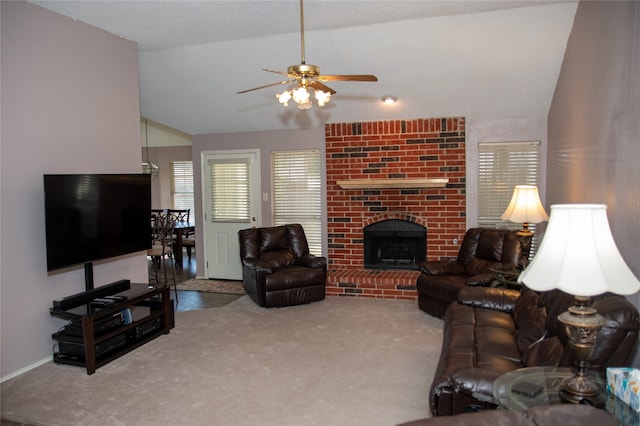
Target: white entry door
{"x":232,"y":203}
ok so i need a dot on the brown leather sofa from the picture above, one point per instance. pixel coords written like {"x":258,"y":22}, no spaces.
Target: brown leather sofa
{"x":547,"y":415}
{"x":482,"y":249}
{"x":491,"y":331}
{"x":277,"y":268}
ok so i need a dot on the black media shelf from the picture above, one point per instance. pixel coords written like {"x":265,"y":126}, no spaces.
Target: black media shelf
{"x":96,"y":336}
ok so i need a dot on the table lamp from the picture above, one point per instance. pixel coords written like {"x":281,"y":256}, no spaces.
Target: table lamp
{"x":525,"y":207}
{"x":579,"y":256}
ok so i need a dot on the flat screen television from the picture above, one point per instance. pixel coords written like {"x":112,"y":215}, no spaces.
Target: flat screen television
{"x":91,"y":217}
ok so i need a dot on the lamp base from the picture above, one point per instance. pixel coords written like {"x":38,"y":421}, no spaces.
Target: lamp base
{"x":581,"y":390}
{"x":581,"y":323}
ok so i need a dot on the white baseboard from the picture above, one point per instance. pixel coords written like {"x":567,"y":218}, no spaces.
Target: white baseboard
{"x":25,"y":369}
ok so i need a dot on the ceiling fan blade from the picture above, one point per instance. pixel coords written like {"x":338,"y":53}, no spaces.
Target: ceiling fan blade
{"x":280,"y":72}
{"x":353,"y":77}
{"x":316,"y":85}
{"x":267,"y":85}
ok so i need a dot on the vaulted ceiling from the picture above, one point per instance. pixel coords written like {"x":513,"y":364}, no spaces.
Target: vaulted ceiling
{"x":479,"y":59}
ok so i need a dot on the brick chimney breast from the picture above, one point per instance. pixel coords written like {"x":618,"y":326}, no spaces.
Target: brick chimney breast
{"x":432,"y":148}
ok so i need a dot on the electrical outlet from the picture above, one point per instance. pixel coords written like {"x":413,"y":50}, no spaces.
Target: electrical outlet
{"x":265,"y":196}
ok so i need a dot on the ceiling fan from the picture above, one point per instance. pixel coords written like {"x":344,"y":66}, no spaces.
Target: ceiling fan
{"x":307,"y":77}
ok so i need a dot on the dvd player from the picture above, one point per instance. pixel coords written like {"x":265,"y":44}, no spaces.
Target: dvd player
{"x":77,"y":349}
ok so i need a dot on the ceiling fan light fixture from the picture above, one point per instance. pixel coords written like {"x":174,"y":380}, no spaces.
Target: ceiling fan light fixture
{"x":284,"y":97}
{"x":300,"y":95}
{"x":389,"y":99}
{"x":322,"y":97}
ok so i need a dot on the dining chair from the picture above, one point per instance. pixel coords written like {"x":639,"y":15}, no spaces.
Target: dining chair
{"x":161,"y":252}
{"x":188,"y":240}
{"x":180,"y":215}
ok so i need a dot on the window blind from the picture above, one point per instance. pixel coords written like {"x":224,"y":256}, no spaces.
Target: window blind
{"x":230,"y":191}
{"x":182,"y":186}
{"x":296,"y":192}
{"x":502,"y":166}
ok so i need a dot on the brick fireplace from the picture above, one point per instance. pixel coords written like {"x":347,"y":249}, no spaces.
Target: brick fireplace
{"x":400,"y":170}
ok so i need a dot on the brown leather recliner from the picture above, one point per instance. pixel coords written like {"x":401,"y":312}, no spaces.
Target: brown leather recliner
{"x":482,"y":249}
{"x":277,"y":268}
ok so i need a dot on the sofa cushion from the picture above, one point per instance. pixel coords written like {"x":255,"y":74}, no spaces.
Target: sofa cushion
{"x":545,"y":352}
{"x":273,"y":238}
{"x":495,"y":339}
{"x":490,"y":246}
{"x":278,"y":259}
{"x":533,"y":329}
{"x":477,"y":266}
{"x":527,"y":302}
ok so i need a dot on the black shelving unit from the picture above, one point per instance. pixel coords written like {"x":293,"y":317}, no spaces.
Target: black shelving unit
{"x":96,"y":335}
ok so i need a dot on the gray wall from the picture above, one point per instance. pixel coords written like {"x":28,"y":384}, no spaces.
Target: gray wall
{"x":594,"y":122}
{"x":265,"y":141}
{"x":69,"y":105}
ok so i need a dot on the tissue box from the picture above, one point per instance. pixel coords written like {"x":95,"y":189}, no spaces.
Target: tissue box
{"x":625,"y":384}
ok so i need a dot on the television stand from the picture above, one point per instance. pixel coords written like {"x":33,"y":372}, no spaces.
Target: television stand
{"x":99,"y":332}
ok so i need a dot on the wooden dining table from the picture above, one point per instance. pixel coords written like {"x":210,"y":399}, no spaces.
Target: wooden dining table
{"x":181,"y":228}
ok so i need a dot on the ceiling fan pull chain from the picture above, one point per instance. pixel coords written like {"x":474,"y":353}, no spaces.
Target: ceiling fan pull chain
{"x":302,"y":33}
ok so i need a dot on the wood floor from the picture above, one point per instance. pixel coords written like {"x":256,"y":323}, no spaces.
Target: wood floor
{"x":191,"y":300}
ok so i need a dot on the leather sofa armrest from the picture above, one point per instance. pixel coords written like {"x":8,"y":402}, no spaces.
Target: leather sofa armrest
{"x":498,"y":299}
{"x":442,"y":267}
{"x":475,"y":382}
{"x":312,"y":261}
{"x":257,"y":264}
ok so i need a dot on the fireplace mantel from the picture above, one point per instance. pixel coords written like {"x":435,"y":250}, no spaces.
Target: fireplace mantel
{"x":391,"y":183}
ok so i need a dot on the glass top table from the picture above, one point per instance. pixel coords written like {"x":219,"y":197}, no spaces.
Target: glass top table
{"x":545,"y":390}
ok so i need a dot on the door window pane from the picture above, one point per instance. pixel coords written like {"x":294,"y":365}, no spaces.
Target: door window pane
{"x":230,"y":191}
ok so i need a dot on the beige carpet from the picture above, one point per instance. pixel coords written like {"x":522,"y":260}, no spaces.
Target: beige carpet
{"x":341,"y":361}
{"x":213,"y":286}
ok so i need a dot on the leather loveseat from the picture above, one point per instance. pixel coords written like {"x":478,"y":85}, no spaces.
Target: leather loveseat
{"x":547,"y":415}
{"x":277,"y":268}
{"x":491,"y":331}
{"x":482,"y":250}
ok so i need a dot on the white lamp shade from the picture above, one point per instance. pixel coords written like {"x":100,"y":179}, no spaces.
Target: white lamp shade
{"x":525,"y":206}
{"x":578,"y":255}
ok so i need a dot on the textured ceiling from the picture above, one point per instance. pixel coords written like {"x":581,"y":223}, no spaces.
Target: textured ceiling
{"x":480,"y":59}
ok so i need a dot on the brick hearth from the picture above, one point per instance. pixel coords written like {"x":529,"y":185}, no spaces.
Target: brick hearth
{"x":431,"y":148}
{"x":388,"y":284}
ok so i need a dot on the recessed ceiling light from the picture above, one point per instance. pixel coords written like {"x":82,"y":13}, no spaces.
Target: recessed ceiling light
{"x":389,"y":99}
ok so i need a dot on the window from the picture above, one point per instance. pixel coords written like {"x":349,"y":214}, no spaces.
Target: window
{"x":182,"y":186}
{"x":502,"y":166}
{"x":296,"y":192}
{"x":230,"y":197}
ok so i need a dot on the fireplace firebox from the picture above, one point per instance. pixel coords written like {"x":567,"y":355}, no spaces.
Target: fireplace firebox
{"x":394,"y":244}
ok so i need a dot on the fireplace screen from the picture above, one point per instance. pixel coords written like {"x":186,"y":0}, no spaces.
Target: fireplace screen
{"x":394,"y":244}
